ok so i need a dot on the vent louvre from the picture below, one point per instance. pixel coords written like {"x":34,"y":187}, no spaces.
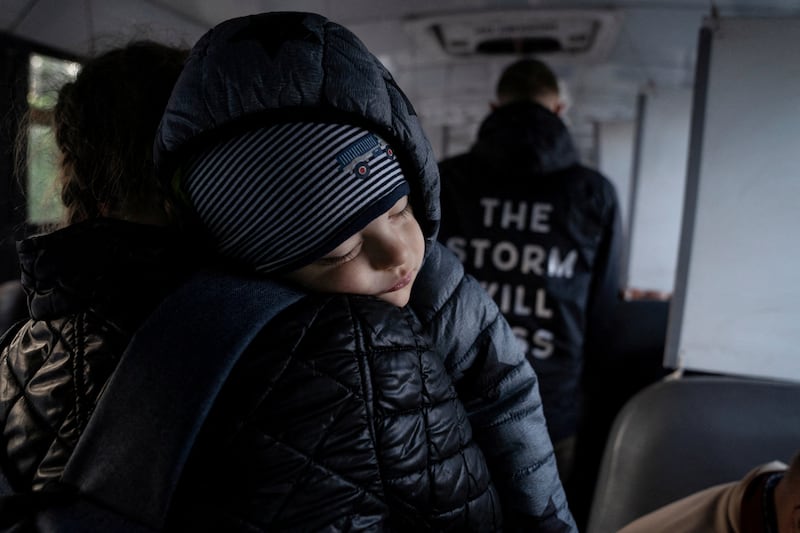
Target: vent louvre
{"x":585,"y":34}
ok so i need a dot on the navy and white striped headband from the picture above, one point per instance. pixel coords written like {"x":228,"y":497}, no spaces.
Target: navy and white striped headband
{"x":279,"y":197}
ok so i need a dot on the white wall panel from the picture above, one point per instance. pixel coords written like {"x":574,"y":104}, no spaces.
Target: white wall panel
{"x":737,"y":306}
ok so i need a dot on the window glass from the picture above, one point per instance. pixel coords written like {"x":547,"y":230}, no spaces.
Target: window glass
{"x":44,"y":204}
{"x":47,"y":75}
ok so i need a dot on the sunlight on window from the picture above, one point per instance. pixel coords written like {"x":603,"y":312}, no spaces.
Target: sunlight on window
{"x":44,"y":203}
{"x":47,"y":75}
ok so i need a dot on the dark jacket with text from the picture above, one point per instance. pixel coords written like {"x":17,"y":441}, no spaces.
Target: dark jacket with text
{"x":541,"y":233}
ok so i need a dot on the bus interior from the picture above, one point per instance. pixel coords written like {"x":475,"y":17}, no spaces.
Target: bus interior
{"x":691,"y":108}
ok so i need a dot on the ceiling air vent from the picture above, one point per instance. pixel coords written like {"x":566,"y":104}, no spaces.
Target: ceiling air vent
{"x":579,"y":34}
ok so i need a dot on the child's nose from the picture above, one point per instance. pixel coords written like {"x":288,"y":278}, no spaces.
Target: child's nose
{"x":389,"y":251}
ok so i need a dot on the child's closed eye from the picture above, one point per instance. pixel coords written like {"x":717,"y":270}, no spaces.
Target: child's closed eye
{"x":335,"y":260}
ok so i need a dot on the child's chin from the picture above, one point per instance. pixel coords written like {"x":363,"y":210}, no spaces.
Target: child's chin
{"x":396,"y":298}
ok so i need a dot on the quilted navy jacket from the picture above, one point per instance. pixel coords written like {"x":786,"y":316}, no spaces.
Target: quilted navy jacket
{"x":267,"y":67}
{"x":339,"y":417}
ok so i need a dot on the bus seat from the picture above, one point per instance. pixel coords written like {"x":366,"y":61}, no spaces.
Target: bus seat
{"x":631,"y":360}
{"x":682,"y":435}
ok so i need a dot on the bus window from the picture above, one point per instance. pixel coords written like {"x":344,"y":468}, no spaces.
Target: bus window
{"x":47,"y":75}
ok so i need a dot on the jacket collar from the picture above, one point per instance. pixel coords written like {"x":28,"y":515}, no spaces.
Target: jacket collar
{"x":99,"y":264}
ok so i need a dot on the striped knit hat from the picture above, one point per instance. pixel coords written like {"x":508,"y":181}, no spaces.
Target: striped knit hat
{"x":279,"y":197}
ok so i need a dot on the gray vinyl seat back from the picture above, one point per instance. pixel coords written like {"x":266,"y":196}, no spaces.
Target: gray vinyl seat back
{"x":682,"y":435}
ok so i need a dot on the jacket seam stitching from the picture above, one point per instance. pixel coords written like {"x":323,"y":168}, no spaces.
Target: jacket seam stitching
{"x":531,"y":468}
{"x":424,"y":413}
{"x":457,"y":452}
{"x":472,"y":347}
{"x":513,"y":417}
{"x":367,"y":399}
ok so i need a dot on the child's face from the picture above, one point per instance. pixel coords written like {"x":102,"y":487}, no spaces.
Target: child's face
{"x":381,"y":260}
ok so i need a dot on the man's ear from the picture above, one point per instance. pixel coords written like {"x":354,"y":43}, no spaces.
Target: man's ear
{"x":552,"y":102}
{"x":796,"y":520}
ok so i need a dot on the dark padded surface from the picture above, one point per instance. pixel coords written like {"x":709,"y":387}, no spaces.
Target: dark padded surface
{"x":682,"y":435}
{"x":630,"y":361}
{"x":13,"y":304}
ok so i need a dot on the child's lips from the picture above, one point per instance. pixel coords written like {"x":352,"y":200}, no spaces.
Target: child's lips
{"x":405,"y":280}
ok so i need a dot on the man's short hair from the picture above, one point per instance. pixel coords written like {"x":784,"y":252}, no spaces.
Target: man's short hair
{"x":526,"y":79}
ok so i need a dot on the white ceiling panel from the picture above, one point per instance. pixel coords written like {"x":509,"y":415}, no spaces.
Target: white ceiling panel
{"x":652,"y":46}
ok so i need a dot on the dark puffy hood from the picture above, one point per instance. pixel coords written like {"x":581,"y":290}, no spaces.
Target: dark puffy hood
{"x":527,"y":139}
{"x":266,"y":68}
{"x":112,"y":267}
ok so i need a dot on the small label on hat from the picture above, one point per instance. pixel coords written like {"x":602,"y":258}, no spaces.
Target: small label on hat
{"x":356,"y":157}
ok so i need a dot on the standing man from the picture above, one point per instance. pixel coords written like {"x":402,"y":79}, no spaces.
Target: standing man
{"x":541,"y":233}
